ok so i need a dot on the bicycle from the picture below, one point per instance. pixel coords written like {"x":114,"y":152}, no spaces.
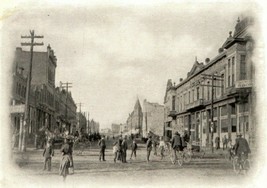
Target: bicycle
{"x":241,"y":164}
{"x":165,"y":151}
{"x":181,"y":157}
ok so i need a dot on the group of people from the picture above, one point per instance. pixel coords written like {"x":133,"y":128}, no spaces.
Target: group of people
{"x":120,"y":147}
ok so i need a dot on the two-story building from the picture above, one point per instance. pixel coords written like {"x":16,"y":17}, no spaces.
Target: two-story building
{"x":218,"y":95}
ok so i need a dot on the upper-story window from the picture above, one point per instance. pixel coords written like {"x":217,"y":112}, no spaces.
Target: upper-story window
{"x":197,"y":93}
{"x":173,"y":102}
{"x":189,"y":95}
{"x":243,"y":71}
{"x":229,"y":72}
{"x":193,"y":95}
{"x":233,"y":71}
{"x":208,"y":90}
{"x":222,"y":83}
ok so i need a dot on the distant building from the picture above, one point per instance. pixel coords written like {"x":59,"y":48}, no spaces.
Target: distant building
{"x":115,"y":128}
{"x":81,"y":122}
{"x":153,"y":118}
{"x":135,"y":120}
{"x":94,"y":126}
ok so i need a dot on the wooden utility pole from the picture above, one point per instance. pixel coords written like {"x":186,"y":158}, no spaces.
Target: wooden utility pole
{"x":28,"y":88}
{"x":212,"y":77}
{"x":66,"y":86}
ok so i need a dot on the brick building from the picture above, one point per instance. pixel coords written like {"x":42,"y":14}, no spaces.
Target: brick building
{"x":47,"y":104}
{"x":153,"y":118}
{"x":188,"y":104}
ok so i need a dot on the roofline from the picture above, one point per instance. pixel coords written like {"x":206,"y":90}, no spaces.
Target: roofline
{"x":216,"y":59}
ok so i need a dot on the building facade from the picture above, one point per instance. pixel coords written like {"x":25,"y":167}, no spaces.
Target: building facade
{"x":94,"y":127}
{"x":153,"y":118}
{"x":217,"y":96}
{"x":135,"y":120}
{"x":48,"y":105}
{"x":115,"y":129}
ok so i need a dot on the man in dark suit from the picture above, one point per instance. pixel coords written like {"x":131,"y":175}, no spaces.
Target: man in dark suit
{"x":176,"y":143}
{"x":124,"y":147}
{"x":148,"y":148}
{"x":102,"y":145}
{"x":241,"y":146}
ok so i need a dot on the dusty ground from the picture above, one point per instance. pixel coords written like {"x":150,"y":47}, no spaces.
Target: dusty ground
{"x":212,"y":170}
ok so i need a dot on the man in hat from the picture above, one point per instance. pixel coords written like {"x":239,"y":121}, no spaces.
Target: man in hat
{"x":102,"y":145}
{"x":148,"y":147}
{"x":124,"y":147}
{"x":176,"y":144}
{"x":241,"y":146}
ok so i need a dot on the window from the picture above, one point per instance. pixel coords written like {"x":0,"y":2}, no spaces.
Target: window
{"x":224,"y":110}
{"x":243,"y":107}
{"x":189,"y":97}
{"x":208,"y":89}
{"x":233,"y":124}
{"x":197,"y":93}
{"x":229,"y":72}
{"x":173,"y":102}
{"x":243,"y":72}
{"x":222,"y":84}
{"x":233,"y":108}
{"x":224,"y":125}
{"x":233,"y":71}
{"x":193,"y":95}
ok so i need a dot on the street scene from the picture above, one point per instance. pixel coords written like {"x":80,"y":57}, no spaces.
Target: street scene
{"x":137,"y":96}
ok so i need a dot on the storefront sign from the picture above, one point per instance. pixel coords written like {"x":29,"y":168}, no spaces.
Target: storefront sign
{"x":243,"y":84}
{"x":17,"y":108}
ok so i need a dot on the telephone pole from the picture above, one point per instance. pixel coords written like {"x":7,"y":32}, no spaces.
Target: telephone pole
{"x":66,"y":86}
{"x":212,"y":77}
{"x":32,"y":36}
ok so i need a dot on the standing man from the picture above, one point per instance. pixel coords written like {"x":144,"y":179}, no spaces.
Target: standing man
{"x":225,"y":141}
{"x":124,"y":147}
{"x":217,"y":141}
{"x":134,"y":148}
{"x":102,"y":145}
{"x":148,"y":147}
{"x":176,"y":144}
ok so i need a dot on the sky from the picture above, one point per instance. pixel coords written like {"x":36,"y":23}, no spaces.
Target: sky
{"x":114,"y":53}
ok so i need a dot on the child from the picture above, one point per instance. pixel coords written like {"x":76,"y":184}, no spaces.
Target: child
{"x":134,"y":148}
{"x":47,"y":154}
{"x":115,"y":151}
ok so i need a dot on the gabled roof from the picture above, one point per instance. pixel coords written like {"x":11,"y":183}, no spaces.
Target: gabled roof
{"x":196,"y":67}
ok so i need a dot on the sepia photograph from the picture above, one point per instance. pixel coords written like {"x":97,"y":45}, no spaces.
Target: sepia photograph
{"x":133,"y":93}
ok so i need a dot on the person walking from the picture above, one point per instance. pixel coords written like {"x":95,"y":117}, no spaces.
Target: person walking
{"x":176,"y":144}
{"x":115,"y":151}
{"x":148,"y":147}
{"x":217,"y":142}
{"x":102,"y":145}
{"x":124,"y":147}
{"x":134,"y":148}
{"x":225,"y":141}
{"x":65,"y":161}
{"x":119,"y":154}
{"x":154,"y":146}
{"x":47,"y":154}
